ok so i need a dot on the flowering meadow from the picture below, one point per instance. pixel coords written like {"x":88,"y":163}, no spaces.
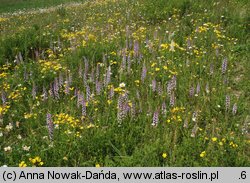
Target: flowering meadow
{"x":126,"y":83}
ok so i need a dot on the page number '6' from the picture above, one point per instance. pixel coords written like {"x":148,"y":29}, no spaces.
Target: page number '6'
{"x":243,"y":175}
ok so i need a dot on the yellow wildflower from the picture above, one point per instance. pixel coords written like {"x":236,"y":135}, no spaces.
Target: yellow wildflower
{"x":137,"y":81}
{"x":164,"y":46}
{"x":164,"y":155}
{"x":203,"y":154}
{"x":84,"y":43}
{"x":153,"y":64}
{"x":22,"y":164}
{"x":90,"y":125}
{"x":214,"y":139}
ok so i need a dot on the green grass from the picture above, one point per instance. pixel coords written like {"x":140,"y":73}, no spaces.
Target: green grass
{"x":194,"y":122}
{"x":14,"y":5}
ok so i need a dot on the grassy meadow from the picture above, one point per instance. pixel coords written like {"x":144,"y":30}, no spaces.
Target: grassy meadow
{"x":124,"y":83}
{"x":8,"y":6}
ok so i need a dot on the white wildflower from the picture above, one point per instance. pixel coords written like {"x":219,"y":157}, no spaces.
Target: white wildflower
{"x":7,"y":149}
{"x":26,"y":148}
{"x":9,"y":127}
{"x":122,"y":85}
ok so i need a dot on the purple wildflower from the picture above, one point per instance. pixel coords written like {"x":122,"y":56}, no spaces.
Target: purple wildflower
{"x":85,"y":78}
{"x":126,"y":108}
{"x":154,"y":85}
{"x":97,"y":73}
{"x":56,"y":89}
{"x":50,"y":125}
{"x":60,"y":80}
{"x":144,"y":72}
{"x":125,"y":96}
{"x":34,"y":91}
{"x":173,"y":82}
{"x":155,"y":118}
{"x":133,"y":110}
{"x":70,"y":78}
{"x":128,"y":64}
{"x":169,"y":88}
{"x":136,"y":48}
{"x":227,"y":102}
{"x":76,"y":92}
{"x":108,"y":76}
{"x":98,"y":85}
{"x":159,"y":89}
{"x":84,"y":110}
{"x":51,"y":93}
{"x":86,"y":66}
{"x":80,"y":99}
{"x":163,"y":108}
{"x":111,"y":92}
{"x":138,"y":94}
{"x":224,"y":66}
{"x":124,"y":61}
{"x":234,"y":110}
{"x":88,"y":93}
{"x":121,"y":114}
{"x":191,"y":91}
{"x":45,"y":94}
{"x":3,"y":96}
{"x":172,"y":99}
{"x":198,"y":88}
{"x":66,"y":89}
{"x":25,"y":75}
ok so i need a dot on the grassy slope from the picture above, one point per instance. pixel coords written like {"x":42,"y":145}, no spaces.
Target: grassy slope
{"x":14,"y":5}
{"x":119,"y":143}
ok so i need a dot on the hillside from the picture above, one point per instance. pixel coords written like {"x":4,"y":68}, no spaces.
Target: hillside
{"x":124,"y":83}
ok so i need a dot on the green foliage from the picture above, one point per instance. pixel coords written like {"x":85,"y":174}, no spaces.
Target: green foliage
{"x":14,"y":5}
{"x":73,"y":47}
